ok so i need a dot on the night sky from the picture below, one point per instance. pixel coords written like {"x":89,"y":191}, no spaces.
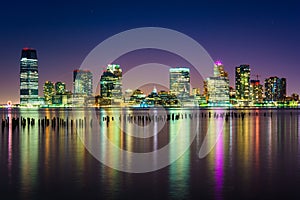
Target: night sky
{"x":264,"y":35}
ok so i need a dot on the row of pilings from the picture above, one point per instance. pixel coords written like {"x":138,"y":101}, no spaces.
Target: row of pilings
{"x":147,"y":118}
{"x":139,"y":118}
{"x":54,"y":122}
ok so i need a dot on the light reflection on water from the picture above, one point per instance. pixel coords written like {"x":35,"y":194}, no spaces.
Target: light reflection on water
{"x":255,"y":156}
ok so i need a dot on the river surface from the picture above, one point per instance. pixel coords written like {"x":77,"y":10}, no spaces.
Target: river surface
{"x":246,"y":154}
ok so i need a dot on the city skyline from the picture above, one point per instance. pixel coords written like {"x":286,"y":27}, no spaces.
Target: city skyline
{"x":151,"y":99}
{"x":70,"y":86}
{"x":263,"y":34}
{"x":216,"y":89}
{"x":217,"y":71}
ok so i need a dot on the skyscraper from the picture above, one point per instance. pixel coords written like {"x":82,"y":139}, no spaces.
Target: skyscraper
{"x":60,"y":88}
{"x":275,"y":89}
{"x":256,"y":91}
{"x":180,"y":82}
{"x":111,"y":82}
{"x":219,"y":70}
{"x":29,"y":78}
{"x":242,"y":82}
{"x":218,"y":86}
{"x":49,"y":92}
{"x":82,"y":82}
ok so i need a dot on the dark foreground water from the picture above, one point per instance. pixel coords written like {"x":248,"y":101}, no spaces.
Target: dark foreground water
{"x":256,"y":156}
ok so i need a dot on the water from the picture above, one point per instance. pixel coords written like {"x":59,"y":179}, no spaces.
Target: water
{"x":256,"y":156}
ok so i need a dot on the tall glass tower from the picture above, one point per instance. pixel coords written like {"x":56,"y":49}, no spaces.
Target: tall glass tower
{"x":180,"y":82}
{"x":111,"y":82}
{"x":275,"y":89}
{"x":242,"y":82}
{"x":49,"y":92}
{"x":218,"y":86}
{"x":29,"y":78}
{"x":82,"y":82}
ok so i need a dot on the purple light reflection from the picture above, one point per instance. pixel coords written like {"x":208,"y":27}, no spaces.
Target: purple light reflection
{"x":219,"y":163}
{"x":9,"y":159}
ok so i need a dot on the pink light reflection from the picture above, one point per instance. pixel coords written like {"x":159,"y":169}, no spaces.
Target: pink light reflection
{"x":219,"y":162}
{"x":9,"y":159}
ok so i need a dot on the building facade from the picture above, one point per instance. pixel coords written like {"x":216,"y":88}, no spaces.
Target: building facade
{"x":60,"y":88}
{"x":29,"y":78}
{"x":256,"y":91}
{"x":219,"y":70}
{"x":218,"y":86}
{"x":242,"y":82}
{"x":218,"y":90}
{"x":275,"y":89}
{"x":180,"y":82}
{"x":49,"y":92}
{"x":111,"y":82}
{"x":82,"y":83}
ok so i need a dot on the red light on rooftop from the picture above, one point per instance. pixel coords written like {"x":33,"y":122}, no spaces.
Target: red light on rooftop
{"x":26,"y":49}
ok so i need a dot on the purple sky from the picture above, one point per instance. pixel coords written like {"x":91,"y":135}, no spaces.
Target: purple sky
{"x":264,"y":35}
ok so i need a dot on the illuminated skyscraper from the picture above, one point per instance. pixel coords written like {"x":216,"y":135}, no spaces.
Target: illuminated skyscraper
{"x":196,"y":91}
{"x":242,"y":82}
{"x":232,"y":98}
{"x":218,"y":86}
{"x":60,"y":88}
{"x":205,"y":90}
{"x":219,"y":70}
{"x":49,"y":92}
{"x":29,"y":77}
{"x":180,"y":82}
{"x":82,"y":82}
{"x":275,"y":89}
{"x":111,"y":82}
{"x":256,"y":91}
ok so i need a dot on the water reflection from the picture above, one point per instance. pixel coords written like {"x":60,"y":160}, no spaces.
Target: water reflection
{"x":256,"y":149}
{"x":10,"y":151}
{"x":179,"y":171}
{"x":29,"y":151}
{"x":219,"y":159}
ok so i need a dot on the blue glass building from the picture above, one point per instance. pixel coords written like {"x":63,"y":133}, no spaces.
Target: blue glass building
{"x":29,"y":78}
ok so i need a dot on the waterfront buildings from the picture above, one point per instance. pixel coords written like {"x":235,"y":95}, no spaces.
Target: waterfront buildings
{"x":161,"y":98}
{"x":49,"y":92}
{"x":180,"y":82}
{"x":56,"y":94}
{"x":275,"y":89}
{"x":62,"y":96}
{"x":219,"y":70}
{"x":232,"y":97}
{"x":82,"y":87}
{"x":60,"y":88}
{"x":82,"y":82}
{"x":218,"y":86}
{"x":137,"y":96}
{"x":242,"y":83}
{"x":295,"y":97}
{"x":256,"y":91}
{"x":196,"y":91}
{"x":111,"y":82}
{"x":29,"y":78}
{"x":196,"y":94}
